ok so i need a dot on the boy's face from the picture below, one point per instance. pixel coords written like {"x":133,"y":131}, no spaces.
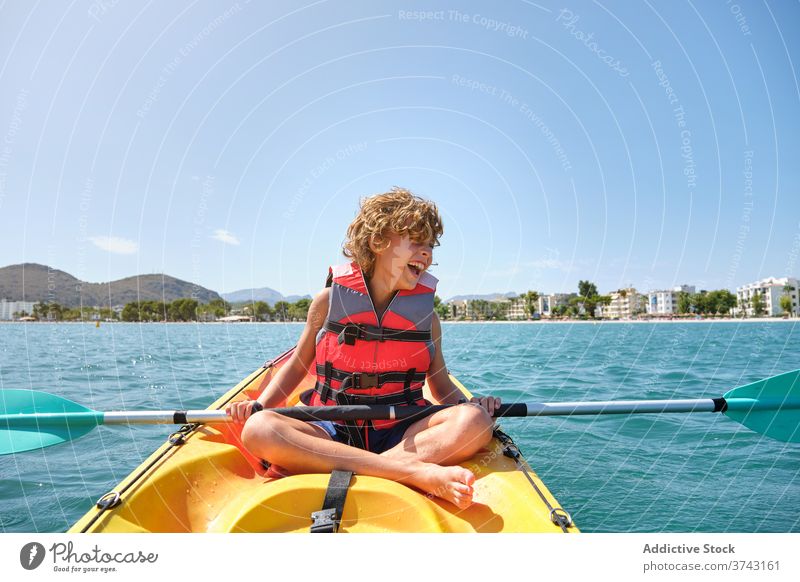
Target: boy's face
{"x":404,"y":260}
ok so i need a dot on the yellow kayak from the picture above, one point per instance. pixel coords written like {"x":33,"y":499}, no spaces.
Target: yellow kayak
{"x":203,"y":480}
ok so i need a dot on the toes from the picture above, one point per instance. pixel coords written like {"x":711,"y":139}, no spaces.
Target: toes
{"x":468,"y":478}
{"x":462,"y":501}
{"x":462,"y":488}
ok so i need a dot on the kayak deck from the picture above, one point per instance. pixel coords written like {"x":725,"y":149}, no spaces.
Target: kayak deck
{"x":206,"y":481}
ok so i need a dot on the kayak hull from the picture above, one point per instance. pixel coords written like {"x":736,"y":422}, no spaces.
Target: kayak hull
{"x":203,"y":480}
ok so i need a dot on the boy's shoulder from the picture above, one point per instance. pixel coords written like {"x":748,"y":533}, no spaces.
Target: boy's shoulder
{"x":323,"y":296}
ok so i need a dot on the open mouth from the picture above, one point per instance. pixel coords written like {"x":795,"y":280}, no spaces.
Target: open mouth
{"x":416,"y":268}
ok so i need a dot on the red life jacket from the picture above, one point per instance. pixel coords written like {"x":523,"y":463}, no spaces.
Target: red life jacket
{"x":363,"y":360}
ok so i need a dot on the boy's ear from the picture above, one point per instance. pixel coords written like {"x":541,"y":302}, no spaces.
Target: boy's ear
{"x":378,"y":244}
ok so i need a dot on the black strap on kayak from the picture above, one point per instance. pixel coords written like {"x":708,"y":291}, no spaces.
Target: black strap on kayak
{"x":328,"y":519}
{"x":350,"y":332}
{"x":510,"y":449}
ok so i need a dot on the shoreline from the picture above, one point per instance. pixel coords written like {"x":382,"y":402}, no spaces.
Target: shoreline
{"x":444,"y":322}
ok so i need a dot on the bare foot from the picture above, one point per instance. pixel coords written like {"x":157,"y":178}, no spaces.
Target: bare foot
{"x":453,"y":484}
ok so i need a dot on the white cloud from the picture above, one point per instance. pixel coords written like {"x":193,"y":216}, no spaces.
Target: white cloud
{"x":225,"y":236}
{"x":115,"y":244}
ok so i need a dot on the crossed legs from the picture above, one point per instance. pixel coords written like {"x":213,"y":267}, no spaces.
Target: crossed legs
{"x":425,"y":458}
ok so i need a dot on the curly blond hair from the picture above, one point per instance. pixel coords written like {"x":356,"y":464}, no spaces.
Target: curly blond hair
{"x":399,"y":211}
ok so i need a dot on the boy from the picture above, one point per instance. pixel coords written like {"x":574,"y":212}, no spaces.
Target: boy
{"x":372,"y":337}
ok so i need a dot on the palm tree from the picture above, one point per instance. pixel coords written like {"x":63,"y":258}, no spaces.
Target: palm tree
{"x":786,"y":300}
{"x":531,"y":300}
{"x":757,"y":302}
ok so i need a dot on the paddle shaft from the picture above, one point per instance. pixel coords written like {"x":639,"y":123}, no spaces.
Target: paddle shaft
{"x":383,"y":412}
{"x":374,"y":412}
{"x":519,"y":409}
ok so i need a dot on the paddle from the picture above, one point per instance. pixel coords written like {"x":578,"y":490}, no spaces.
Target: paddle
{"x":31,"y":420}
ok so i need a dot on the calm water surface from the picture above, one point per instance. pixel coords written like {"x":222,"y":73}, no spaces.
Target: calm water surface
{"x":674,"y":473}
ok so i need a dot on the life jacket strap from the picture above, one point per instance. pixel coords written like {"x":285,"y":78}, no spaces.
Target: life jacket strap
{"x":327,"y":372}
{"x":350,"y":332}
{"x":407,"y":386}
{"x":343,"y":398}
{"x":363,"y":380}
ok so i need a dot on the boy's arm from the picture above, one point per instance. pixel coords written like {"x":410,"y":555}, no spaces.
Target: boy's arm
{"x":291,"y":373}
{"x":441,"y":387}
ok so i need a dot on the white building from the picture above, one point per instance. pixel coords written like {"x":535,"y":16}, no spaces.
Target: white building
{"x":665,"y":302}
{"x":547,"y":303}
{"x":479,"y":309}
{"x":516,"y":309}
{"x":771,"y":291}
{"x":9,"y":308}
{"x":625,"y":303}
{"x":458,"y":309}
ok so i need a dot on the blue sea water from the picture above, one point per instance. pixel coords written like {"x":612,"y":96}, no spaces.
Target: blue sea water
{"x":653,"y":473}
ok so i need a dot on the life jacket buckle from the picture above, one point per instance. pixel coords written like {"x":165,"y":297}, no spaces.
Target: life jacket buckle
{"x":364,"y":380}
{"x":349,"y":335}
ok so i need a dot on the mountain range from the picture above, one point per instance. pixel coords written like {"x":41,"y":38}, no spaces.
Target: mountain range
{"x":34,"y":282}
{"x":264,"y":294}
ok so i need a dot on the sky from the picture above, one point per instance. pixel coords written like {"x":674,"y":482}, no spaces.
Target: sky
{"x":229,"y":143}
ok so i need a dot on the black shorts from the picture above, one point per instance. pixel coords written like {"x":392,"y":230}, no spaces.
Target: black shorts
{"x":370,"y":439}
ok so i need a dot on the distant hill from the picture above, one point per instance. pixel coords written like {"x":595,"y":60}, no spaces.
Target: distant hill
{"x":264,"y":294}
{"x":250,"y":295}
{"x":295,"y":298}
{"x":486,"y":297}
{"x":42,"y":283}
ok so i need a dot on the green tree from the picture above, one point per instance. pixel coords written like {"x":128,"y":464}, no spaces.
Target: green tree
{"x":298,"y":311}
{"x":262,"y":311}
{"x":130,"y":312}
{"x":684,"y":303}
{"x":182,"y":310}
{"x":531,"y":302}
{"x":145,"y":311}
{"x":587,"y":299}
{"x":219,"y":307}
{"x":601,"y":301}
{"x":699,"y":302}
{"x":587,"y":289}
{"x":720,"y":301}
{"x":441,"y":309}
{"x":786,"y":299}
{"x":74,"y":314}
{"x":282,"y":310}
{"x":107,"y":313}
{"x":574,"y":307}
{"x":786,"y":304}
{"x":40,"y":310}
{"x":55,"y":311}
{"x":757,"y":302}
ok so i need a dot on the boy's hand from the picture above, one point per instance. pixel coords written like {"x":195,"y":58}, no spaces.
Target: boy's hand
{"x":240,"y":411}
{"x":488,"y":403}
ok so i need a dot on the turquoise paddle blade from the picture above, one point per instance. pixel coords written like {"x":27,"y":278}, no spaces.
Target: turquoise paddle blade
{"x":32,"y":420}
{"x":770,"y":407}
